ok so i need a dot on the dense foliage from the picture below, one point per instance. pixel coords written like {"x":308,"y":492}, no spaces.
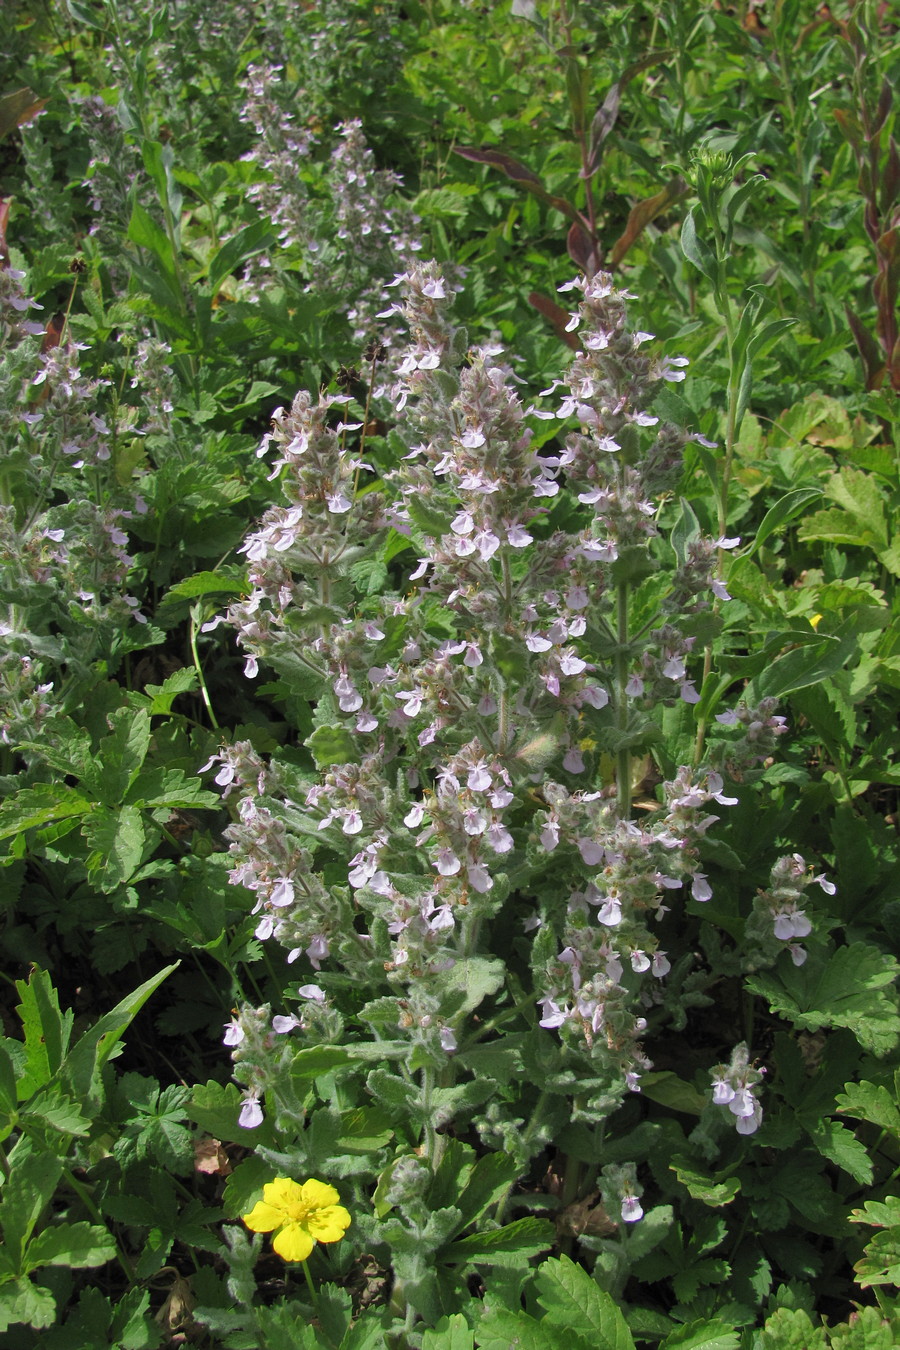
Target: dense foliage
{"x":449,"y":483}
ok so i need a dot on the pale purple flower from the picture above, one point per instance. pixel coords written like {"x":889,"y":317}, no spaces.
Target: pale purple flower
{"x":251,"y":1113}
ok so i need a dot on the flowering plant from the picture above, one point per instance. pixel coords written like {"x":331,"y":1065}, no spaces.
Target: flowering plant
{"x":299,"y":1216}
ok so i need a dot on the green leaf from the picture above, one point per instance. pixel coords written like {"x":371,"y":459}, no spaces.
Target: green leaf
{"x":695,"y":250}
{"x":784,"y":510}
{"x":451,"y":1333}
{"x":524,"y":1237}
{"x":844,"y":988}
{"x":71,"y":1244}
{"x":702,"y":1186}
{"x":332,"y":745}
{"x":39,"y":805}
{"x":26,"y":1192}
{"x":236,"y":250}
{"x":702,"y":1335}
{"x":501,"y":1329}
{"x":791,"y":1329}
{"x":88,"y":1056}
{"x":123,"y":753}
{"x":576,"y":1303}
{"x":840,"y":1145}
{"x":25,"y":1302}
{"x":865,"y":1101}
{"x":47,"y":1031}
{"x":116,"y":839}
{"x":309,"y":1064}
{"x":668,"y":1089}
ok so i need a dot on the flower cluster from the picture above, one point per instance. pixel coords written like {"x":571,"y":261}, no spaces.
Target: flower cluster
{"x":734,"y":1085}
{"x":456,"y":715}
{"x":779,"y":915}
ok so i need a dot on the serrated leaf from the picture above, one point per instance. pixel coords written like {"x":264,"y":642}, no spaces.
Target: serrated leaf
{"x":524,"y":1237}
{"x":703,"y":1335}
{"x":866,"y":1101}
{"x":38,"y":805}
{"x":501,"y":1329}
{"x":25,"y":1302}
{"x":332,"y":745}
{"x":840,"y":1145}
{"x":71,"y":1244}
{"x":791,"y":1329}
{"x":844,"y":988}
{"x":451,"y":1333}
{"x":702,"y":1186}
{"x":116,"y":839}
{"x":576,"y":1303}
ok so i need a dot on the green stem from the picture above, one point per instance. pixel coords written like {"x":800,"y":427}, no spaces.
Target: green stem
{"x":199,"y":669}
{"x":623,"y":754}
{"x":309,"y":1282}
{"x":86,"y":1199}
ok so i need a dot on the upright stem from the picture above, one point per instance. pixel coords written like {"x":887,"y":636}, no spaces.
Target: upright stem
{"x":623,"y":754}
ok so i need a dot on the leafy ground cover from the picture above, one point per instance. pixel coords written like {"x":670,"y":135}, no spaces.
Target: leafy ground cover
{"x":450,"y":472}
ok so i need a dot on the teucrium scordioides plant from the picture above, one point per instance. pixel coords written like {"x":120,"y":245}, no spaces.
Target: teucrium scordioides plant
{"x":459,"y":868}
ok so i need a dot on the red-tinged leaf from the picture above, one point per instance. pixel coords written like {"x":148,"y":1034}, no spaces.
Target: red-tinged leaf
{"x":513,"y":168}
{"x":53,"y":332}
{"x":17,"y":108}
{"x":849,"y":125}
{"x":4,"y":221}
{"x":872,"y":358}
{"x":557,"y":316}
{"x":883,"y":107}
{"x":888,"y":246}
{"x":890,"y":179}
{"x":894,"y":366}
{"x":519,"y":173}
{"x":606,"y":115}
{"x":584,"y":249}
{"x":641,"y":214}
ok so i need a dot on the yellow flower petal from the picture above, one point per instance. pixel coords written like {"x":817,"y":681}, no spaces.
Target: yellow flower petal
{"x":329,"y":1224}
{"x":284,"y":1193}
{"x":293,"y":1243}
{"x":318,"y":1194}
{"x":263,"y":1217}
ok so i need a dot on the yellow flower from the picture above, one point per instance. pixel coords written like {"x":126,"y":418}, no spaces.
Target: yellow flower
{"x":299,"y":1216}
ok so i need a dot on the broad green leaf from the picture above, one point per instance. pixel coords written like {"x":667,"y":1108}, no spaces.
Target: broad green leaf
{"x":51,"y":1107}
{"x":501,"y":1329}
{"x":116,"y":838}
{"x":222,"y":583}
{"x":241,"y":246}
{"x":332,"y":745}
{"x":791,"y":1329}
{"x":88,"y":1056}
{"x":39,"y":805}
{"x":475,"y":978}
{"x":848,"y":987}
{"x":487,"y":1181}
{"x":840,"y":1146}
{"x":695,"y":249}
{"x":859,"y":494}
{"x":784,"y":510}
{"x":866,"y":1101}
{"x":46,"y":1029}
{"x":880,"y":1263}
{"x":8,"y":1095}
{"x":309,"y":1064}
{"x":803,"y":666}
{"x":123,"y":753}
{"x":702,"y":1186}
{"x":524,"y":1237}
{"x":868,"y":1329}
{"x":71,"y":1244}
{"x":703,"y":1335}
{"x":451,"y":1333}
{"x":575,"y":1302}
{"x":26,"y":1192}
{"x":25,"y":1302}
{"x":879,"y":1213}
{"x":668,"y":1089}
